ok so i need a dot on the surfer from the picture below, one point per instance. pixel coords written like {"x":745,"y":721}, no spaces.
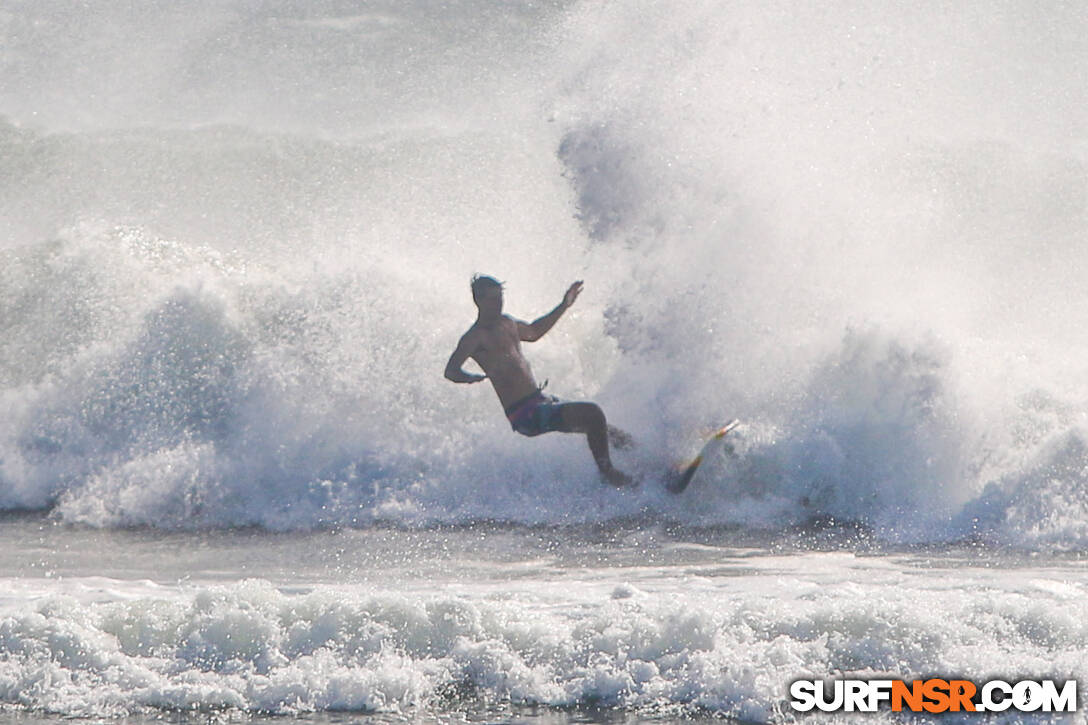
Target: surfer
{"x":494,"y":342}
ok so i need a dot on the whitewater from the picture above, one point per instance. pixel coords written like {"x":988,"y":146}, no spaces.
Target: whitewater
{"x":235,"y":251}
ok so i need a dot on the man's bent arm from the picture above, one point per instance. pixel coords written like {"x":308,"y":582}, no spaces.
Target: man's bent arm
{"x":537,"y":330}
{"x":453,"y":368}
{"x":460,"y":376}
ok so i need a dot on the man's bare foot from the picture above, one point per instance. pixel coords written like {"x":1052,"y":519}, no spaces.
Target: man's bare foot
{"x":617,"y":478}
{"x":620,"y":440}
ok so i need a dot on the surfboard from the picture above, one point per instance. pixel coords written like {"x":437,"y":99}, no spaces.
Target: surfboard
{"x":678,"y":480}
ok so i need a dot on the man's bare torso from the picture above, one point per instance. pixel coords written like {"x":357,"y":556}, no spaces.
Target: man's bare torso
{"x":498,"y":352}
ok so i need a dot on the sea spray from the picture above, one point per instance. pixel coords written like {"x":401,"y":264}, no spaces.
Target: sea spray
{"x":231,"y":285}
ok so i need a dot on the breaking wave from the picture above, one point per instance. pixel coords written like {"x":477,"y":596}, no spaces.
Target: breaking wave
{"x":237,"y":315}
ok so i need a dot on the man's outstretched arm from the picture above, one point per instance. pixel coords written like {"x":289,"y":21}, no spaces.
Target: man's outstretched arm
{"x":454,"y":370}
{"x":536,"y":330}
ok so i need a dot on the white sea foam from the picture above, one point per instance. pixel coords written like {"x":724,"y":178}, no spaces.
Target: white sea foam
{"x":726,"y":646}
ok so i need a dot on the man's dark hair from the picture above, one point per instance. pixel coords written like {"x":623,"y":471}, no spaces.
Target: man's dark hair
{"x":480,"y":283}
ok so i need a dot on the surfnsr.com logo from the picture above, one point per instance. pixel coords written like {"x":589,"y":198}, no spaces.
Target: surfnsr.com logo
{"x":933,"y":695}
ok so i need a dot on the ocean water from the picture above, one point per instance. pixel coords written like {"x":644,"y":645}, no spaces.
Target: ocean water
{"x":235,"y":250}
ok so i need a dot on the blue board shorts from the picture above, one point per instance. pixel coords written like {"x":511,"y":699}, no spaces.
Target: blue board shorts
{"x":535,"y":414}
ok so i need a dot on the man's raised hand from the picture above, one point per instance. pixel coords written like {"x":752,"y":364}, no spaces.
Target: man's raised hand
{"x":572,"y":293}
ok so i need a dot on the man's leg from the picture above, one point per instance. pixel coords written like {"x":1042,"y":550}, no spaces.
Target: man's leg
{"x":588,"y":418}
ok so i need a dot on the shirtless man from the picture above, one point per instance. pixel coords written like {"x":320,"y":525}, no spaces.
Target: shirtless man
{"x":494,"y":342}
